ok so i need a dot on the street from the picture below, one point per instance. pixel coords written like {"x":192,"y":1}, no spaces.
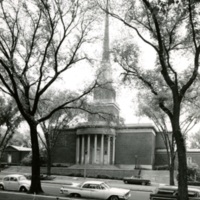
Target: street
{"x":53,"y":193}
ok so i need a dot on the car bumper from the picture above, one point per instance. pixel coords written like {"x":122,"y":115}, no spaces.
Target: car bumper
{"x":125,"y":197}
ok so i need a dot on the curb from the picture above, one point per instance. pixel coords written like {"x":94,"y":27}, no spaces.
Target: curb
{"x":34,"y":196}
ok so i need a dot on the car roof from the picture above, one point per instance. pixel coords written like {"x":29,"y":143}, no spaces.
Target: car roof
{"x":174,"y":187}
{"x":93,"y":182}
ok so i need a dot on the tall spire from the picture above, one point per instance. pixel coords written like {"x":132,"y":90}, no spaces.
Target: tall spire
{"x":106,"y":49}
{"x":105,"y":96}
{"x":105,"y":63}
{"x":106,"y":93}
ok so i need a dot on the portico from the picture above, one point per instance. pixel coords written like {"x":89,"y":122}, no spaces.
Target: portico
{"x":95,"y":148}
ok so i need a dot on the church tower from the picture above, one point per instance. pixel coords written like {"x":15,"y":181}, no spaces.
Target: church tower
{"x":105,"y":95}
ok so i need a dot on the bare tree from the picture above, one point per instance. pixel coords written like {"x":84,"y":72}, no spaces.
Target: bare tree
{"x":39,"y":41}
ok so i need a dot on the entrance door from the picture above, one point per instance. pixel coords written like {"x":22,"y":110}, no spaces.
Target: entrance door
{"x":97,"y":160}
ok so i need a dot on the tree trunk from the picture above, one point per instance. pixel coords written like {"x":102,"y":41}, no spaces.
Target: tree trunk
{"x":48,"y":149}
{"x":48,"y":162}
{"x":170,"y":153}
{"x":182,"y":166}
{"x":1,"y":153}
{"x":172,"y":163}
{"x":35,"y":178}
{"x":171,"y":174}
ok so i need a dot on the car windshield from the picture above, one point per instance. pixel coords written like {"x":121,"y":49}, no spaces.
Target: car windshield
{"x":104,"y":185}
{"x":22,"y":178}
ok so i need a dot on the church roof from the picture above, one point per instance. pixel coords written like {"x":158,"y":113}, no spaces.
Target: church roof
{"x":19,"y":148}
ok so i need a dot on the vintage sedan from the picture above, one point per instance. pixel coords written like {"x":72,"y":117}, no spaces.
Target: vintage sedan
{"x":136,"y":180}
{"x":95,"y":190}
{"x":15,"y":182}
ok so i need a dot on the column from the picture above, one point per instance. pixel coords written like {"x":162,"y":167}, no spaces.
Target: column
{"x":77,"y":149}
{"x":108,"y":149}
{"x":95,"y":149}
{"x":83,"y":150}
{"x":88,"y":149}
{"x":102,"y":149}
{"x":113,"y":153}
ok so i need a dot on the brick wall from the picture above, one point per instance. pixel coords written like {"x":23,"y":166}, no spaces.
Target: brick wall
{"x":135,"y":147}
{"x":65,"y":149}
{"x":160,"y":141}
{"x":161,"y":159}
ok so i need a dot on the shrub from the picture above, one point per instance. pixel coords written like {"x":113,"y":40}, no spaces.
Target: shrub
{"x":103,"y":176}
{"x":27,"y":161}
{"x":192,"y":174}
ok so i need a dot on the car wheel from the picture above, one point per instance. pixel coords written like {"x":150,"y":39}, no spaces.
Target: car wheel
{"x":125,"y":182}
{"x":23,"y":189}
{"x":76,"y":195}
{"x":114,"y":198}
{"x":1,"y":187}
{"x":143,"y":183}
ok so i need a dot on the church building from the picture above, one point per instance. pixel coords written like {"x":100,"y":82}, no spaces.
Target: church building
{"x":107,"y":142}
{"x":101,"y":142}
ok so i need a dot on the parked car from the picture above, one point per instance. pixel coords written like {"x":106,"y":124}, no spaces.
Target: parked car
{"x":95,"y":190}
{"x":15,"y":182}
{"x":136,"y":180}
{"x":169,"y":192}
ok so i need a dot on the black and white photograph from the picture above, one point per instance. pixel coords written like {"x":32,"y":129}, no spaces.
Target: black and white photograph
{"x":99,"y":99}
